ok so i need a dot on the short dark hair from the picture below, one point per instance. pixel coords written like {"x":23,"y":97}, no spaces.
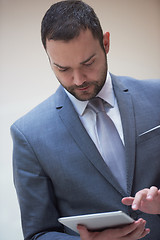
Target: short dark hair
{"x":65,"y":19}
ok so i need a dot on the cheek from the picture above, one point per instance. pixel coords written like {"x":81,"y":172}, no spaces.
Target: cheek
{"x":94,"y":74}
{"x":63,"y":78}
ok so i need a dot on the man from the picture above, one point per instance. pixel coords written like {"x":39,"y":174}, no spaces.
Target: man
{"x":61,"y":165}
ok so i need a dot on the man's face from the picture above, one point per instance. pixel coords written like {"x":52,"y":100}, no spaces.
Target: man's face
{"x":80,"y":64}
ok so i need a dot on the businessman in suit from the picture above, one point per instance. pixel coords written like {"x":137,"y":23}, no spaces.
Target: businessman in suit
{"x":60,"y":168}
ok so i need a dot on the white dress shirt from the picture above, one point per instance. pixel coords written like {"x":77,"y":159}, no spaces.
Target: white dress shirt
{"x":88,"y":116}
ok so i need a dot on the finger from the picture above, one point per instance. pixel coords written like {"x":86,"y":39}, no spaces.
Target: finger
{"x":152,"y":193}
{"x":127,"y":200}
{"x":83,"y":232}
{"x":141,"y":195}
{"x":145,"y":232}
{"x":159,"y":193}
{"x":139,"y":230}
{"x":131,"y":228}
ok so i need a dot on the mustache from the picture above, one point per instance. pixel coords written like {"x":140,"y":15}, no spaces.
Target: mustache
{"x":84,"y":85}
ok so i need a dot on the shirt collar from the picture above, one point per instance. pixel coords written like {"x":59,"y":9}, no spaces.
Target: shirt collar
{"x":106,"y":94}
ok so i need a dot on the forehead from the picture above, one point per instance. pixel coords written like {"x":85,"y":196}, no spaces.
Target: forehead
{"x":75,"y":50}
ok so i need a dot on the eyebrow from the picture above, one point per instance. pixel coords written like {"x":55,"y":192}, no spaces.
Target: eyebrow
{"x":88,"y":59}
{"x":59,"y":66}
{"x":66,"y":67}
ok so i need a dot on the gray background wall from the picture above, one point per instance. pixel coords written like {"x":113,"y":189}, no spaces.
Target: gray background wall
{"x":26,"y":78}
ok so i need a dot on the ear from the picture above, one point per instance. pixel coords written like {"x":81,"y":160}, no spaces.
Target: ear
{"x":106,"y":41}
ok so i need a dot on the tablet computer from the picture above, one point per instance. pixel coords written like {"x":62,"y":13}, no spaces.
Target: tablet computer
{"x":97,"y":221}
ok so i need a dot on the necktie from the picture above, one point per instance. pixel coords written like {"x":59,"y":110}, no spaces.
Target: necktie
{"x":111,"y":146}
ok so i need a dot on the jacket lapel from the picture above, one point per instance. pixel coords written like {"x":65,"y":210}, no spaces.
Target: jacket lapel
{"x":72,"y":122}
{"x":125,"y":104}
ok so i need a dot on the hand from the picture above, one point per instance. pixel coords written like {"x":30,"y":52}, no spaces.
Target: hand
{"x":132,"y":231}
{"x":146,"y":200}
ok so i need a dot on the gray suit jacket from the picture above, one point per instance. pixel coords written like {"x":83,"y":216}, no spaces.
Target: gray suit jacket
{"x":58,"y":171}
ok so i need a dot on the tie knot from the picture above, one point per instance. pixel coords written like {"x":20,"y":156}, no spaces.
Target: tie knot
{"x":96,"y":104}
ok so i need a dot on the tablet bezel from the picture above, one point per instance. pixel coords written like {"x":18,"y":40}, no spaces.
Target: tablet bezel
{"x":97,"y":221}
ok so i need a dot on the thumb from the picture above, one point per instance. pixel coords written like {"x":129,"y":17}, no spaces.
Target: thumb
{"x":84,"y":234}
{"x":127,"y":200}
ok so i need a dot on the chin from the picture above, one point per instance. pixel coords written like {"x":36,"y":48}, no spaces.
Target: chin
{"x":84,"y":97}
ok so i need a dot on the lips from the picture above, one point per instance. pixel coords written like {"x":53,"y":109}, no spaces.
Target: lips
{"x":83,"y":89}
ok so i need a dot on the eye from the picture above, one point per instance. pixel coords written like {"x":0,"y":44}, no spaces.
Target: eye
{"x":89,"y":63}
{"x":62,"y":69}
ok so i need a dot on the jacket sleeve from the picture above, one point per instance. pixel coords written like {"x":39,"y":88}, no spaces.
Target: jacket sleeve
{"x":35,"y":192}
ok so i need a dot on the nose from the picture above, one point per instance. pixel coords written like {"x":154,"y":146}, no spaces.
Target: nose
{"x":78,"y":77}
